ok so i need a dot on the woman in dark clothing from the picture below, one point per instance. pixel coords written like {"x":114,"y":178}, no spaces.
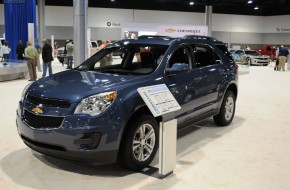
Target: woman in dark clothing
{"x":20,"y":51}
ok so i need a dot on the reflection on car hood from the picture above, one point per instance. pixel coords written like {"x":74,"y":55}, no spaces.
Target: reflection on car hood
{"x":74,"y":85}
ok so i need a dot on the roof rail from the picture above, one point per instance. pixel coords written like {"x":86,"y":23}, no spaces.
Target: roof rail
{"x":195,"y":37}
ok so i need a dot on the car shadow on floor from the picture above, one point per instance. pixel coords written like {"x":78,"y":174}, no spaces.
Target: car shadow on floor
{"x":24,"y":165}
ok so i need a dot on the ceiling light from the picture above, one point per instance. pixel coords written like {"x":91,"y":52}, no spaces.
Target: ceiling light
{"x":256,"y":8}
{"x":191,"y":3}
{"x":112,"y":0}
{"x":249,"y":2}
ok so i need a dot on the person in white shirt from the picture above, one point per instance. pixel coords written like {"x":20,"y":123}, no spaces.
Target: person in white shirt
{"x":5,"y":51}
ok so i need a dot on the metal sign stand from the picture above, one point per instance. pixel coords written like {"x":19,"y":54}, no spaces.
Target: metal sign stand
{"x":161,"y":102}
{"x":167,"y":147}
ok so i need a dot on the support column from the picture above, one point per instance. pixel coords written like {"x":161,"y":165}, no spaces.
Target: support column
{"x":208,"y":18}
{"x":80,"y":31}
{"x":41,"y":19}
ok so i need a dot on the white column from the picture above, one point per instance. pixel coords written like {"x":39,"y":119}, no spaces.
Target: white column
{"x":31,"y":33}
{"x":208,"y":18}
{"x":41,"y":20}
{"x":52,"y":44}
{"x":80,"y":31}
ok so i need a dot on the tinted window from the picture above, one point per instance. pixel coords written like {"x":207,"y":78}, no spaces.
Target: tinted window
{"x":252,"y":53}
{"x":94,"y":44}
{"x":203,"y":56}
{"x":224,"y":49}
{"x":181,"y":55}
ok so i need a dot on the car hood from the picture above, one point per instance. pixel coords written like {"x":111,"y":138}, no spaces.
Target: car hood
{"x":74,"y":85}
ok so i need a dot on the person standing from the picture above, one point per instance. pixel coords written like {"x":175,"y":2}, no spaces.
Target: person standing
{"x":31,"y":55}
{"x":5,"y":51}
{"x":38,"y":48}
{"x":277,"y":60}
{"x":283,"y":57}
{"x":104,"y":61}
{"x":47,"y":58}
{"x":20,"y":51}
{"x":70,"y":52}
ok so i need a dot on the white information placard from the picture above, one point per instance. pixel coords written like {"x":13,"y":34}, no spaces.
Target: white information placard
{"x":159,"y":99}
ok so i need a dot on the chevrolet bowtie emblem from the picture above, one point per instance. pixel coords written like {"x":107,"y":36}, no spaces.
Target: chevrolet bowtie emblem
{"x":37,"y":110}
{"x":170,"y":30}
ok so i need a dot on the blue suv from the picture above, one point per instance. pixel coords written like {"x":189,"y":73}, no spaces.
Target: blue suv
{"x":93,"y":113}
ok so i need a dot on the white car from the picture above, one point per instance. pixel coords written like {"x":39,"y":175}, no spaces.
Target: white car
{"x":251,"y":57}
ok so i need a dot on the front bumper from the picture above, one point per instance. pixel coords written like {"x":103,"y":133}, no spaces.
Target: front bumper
{"x":83,"y":142}
{"x":260,"y":62}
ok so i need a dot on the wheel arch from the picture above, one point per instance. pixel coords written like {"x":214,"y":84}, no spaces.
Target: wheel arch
{"x":139,"y":111}
{"x":233,"y":87}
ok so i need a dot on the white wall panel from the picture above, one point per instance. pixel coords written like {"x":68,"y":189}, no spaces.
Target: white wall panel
{"x":98,"y":17}
{"x":238,"y":23}
{"x":1,"y":14}
{"x":169,"y":17}
{"x":58,"y":16}
{"x":277,"y":38}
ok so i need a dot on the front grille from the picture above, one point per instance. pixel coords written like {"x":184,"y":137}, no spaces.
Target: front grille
{"x":41,"y":122}
{"x":48,"y":102}
{"x":262,"y":58}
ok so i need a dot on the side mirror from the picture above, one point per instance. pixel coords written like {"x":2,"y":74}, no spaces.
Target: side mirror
{"x":177,"y":68}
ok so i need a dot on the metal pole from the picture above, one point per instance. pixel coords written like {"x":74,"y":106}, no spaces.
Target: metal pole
{"x":41,"y":20}
{"x":208,"y":18}
{"x":80,"y":31}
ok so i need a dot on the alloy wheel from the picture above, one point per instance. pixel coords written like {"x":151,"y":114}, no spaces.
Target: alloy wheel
{"x":143,"y":142}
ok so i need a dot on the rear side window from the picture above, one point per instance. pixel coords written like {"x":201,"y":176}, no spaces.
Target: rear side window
{"x":203,"y":56}
{"x":225,"y":50}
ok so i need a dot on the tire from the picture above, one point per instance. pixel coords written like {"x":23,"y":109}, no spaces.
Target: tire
{"x":227,"y":110}
{"x":136,"y":152}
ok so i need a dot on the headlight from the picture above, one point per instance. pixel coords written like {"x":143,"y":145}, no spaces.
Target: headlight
{"x":24,"y":91}
{"x":96,"y":104}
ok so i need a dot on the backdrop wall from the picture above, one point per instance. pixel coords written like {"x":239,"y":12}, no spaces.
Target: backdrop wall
{"x":107,"y":23}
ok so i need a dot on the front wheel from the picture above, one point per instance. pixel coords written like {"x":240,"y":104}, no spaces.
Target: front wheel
{"x":227,"y":110}
{"x":139,"y":143}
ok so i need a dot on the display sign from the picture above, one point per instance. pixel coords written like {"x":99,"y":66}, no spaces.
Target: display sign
{"x":182,"y":30}
{"x":159,"y":99}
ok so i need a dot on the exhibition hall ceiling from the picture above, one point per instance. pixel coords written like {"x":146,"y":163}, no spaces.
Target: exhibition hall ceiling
{"x":240,"y":7}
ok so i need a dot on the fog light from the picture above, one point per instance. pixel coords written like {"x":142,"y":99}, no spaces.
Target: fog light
{"x":89,"y":140}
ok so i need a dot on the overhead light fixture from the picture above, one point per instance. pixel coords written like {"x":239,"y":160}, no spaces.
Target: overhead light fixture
{"x":250,"y":2}
{"x":112,"y":0}
{"x":191,"y":3}
{"x":256,"y":8}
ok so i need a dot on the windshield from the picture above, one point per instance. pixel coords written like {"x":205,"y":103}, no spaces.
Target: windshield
{"x":130,"y":59}
{"x":254,"y":53}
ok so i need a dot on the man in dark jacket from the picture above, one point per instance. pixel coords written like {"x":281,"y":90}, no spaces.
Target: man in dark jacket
{"x":283,"y":57}
{"x":47,"y":58}
{"x":20,"y":51}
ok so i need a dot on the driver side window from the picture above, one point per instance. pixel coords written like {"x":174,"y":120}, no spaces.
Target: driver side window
{"x":181,"y":55}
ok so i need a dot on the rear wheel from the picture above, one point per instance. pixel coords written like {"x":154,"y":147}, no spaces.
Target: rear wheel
{"x":139,"y":143}
{"x":227,"y":110}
